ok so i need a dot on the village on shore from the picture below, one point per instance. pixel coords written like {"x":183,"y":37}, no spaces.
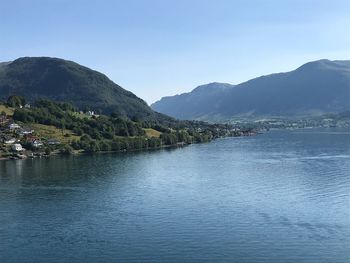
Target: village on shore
{"x":22,"y":140}
{"x":19,"y":141}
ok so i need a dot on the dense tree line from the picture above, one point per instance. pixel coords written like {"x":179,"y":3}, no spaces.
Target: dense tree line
{"x":114,"y":132}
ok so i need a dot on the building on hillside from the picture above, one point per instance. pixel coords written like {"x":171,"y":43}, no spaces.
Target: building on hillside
{"x":9,"y":140}
{"x":3,"y":119}
{"x":25,"y":131}
{"x":17,"y":147}
{"x":53,"y":141}
{"x":14,"y":126}
{"x":37,"y":143}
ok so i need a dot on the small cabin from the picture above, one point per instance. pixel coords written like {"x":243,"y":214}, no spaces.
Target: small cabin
{"x":25,"y":131}
{"x":14,"y":126}
{"x":17,"y":147}
{"x":9,"y":140}
{"x":37,"y":143}
{"x":53,"y":142}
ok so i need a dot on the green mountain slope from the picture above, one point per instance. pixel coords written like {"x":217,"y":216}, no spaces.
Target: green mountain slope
{"x":67,"y":81}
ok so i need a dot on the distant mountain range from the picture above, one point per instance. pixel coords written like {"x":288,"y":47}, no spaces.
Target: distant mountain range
{"x":66,"y":81}
{"x":315,"y":88}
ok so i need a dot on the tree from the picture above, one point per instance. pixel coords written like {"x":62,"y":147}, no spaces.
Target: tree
{"x":66,"y":149}
{"x":16,"y":101}
{"x":47,"y":151}
{"x":104,"y":146}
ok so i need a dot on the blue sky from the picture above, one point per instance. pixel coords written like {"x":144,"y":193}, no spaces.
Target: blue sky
{"x":157,"y":48}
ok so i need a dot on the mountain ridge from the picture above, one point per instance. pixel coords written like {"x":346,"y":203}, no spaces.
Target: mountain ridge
{"x":316,"y":87}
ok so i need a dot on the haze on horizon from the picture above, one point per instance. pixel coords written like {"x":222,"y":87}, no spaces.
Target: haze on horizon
{"x":157,"y":48}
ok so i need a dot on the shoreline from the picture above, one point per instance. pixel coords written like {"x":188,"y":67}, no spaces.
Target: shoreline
{"x":81,"y":152}
{"x":77,"y":153}
{"x":18,"y":156}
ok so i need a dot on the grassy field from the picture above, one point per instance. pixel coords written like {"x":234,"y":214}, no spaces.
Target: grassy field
{"x":152,"y":133}
{"x":81,"y":115}
{"x":9,"y":111}
{"x":48,"y":132}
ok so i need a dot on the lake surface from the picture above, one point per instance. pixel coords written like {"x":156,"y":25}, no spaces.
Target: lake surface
{"x":279,"y":197}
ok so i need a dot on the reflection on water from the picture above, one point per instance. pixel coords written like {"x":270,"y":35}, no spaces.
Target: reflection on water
{"x":277,"y":197}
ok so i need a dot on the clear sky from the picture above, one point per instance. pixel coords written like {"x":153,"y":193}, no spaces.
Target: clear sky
{"x":157,"y":48}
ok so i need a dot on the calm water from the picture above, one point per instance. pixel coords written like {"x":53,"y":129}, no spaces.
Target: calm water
{"x":277,"y":197}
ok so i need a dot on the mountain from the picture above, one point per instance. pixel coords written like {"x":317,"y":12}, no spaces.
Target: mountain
{"x":3,"y":64}
{"x":194,"y":104}
{"x":67,"y":81}
{"x":315,"y":88}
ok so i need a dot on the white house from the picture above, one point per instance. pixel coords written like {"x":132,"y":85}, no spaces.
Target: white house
{"x":53,"y":142}
{"x":17,"y":147}
{"x":9,"y":140}
{"x":26,"y":131}
{"x":14,"y":126}
{"x":37,"y":143}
